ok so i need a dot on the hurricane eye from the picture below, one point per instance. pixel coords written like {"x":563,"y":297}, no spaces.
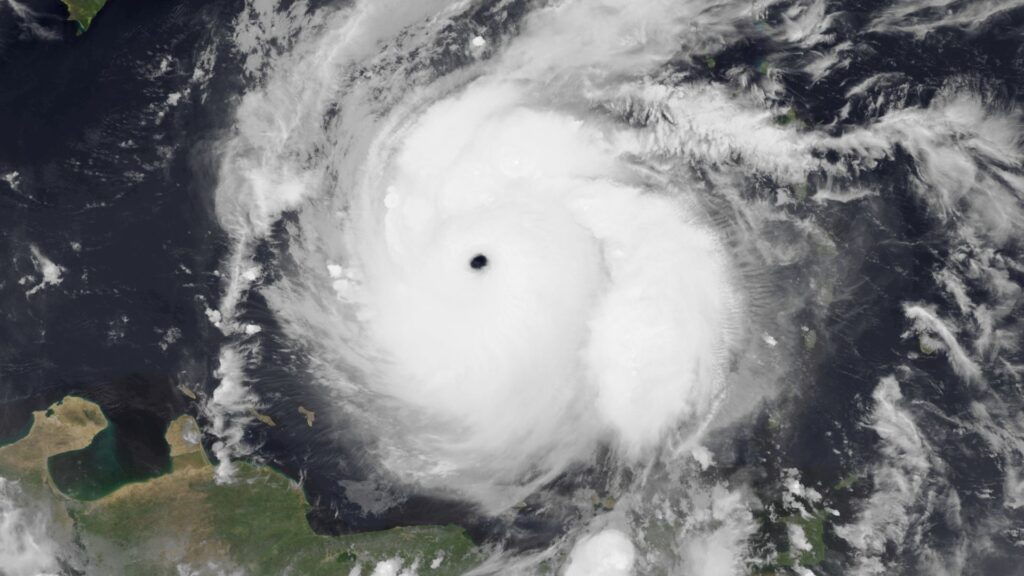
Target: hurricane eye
{"x":478,"y":262}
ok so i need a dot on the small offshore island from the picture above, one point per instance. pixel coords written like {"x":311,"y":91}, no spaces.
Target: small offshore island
{"x":183,"y":522}
{"x":81,"y":12}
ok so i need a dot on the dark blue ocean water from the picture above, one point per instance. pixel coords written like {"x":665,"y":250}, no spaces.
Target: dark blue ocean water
{"x":120,"y":199}
{"x":116,"y":187}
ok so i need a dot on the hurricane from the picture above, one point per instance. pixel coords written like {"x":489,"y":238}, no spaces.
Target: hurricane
{"x":512,"y":283}
{"x":553,"y":257}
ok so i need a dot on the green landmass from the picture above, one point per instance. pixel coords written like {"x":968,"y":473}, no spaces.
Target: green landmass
{"x":814,"y":531}
{"x":847,"y":482}
{"x":185,"y":518}
{"x":810,"y":339}
{"x":787,"y":562}
{"x":82,"y":12}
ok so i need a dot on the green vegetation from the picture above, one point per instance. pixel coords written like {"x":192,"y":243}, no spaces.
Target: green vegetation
{"x":810,"y":339}
{"x":82,"y":12}
{"x":184,"y":517}
{"x":264,"y":524}
{"x":257,"y":524}
{"x":800,"y":191}
{"x":790,"y":118}
{"x":847,"y":482}
{"x":785,"y":119}
{"x":814,"y":531}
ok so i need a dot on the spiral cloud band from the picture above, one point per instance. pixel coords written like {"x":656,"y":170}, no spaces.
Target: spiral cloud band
{"x":492,"y":272}
{"x":513,"y":251}
{"x":527,"y":288}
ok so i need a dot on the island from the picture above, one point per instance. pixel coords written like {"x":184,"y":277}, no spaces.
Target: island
{"x":82,"y":12}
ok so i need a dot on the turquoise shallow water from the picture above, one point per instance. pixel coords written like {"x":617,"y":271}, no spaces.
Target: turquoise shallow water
{"x":99,"y":469}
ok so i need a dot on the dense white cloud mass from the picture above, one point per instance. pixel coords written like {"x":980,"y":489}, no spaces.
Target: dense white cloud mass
{"x":604,"y":309}
{"x":718,"y":546}
{"x":899,"y":480}
{"x":498,"y":267}
{"x":25,"y":547}
{"x":607,"y":553}
{"x":598,"y":298}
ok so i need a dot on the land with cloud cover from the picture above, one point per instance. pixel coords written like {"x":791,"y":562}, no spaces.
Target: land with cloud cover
{"x":694,"y":247}
{"x":185,"y":522}
{"x":749,"y":301}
